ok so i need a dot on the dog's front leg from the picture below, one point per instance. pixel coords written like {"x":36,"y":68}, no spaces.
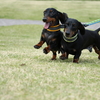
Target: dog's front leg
{"x":64,"y":56}
{"x":54,"y":55}
{"x":76,"y":57}
{"x":37,"y":46}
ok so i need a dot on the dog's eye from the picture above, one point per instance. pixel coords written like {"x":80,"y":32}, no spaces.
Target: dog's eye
{"x":51,"y":12}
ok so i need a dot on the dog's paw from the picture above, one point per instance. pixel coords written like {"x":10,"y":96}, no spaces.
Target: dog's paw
{"x":36,"y":46}
{"x":75,"y":60}
{"x":53,"y":58}
{"x":45,"y":51}
{"x":63,"y":57}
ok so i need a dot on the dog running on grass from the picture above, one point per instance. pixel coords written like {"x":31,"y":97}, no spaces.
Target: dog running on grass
{"x":51,"y":33}
{"x":76,"y":38}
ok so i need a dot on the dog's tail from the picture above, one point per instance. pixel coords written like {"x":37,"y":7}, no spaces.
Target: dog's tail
{"x":97,"y":30}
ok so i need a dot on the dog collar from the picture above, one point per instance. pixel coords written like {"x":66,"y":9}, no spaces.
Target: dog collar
{"x":70,"y":39}
{"x":55,"y":28}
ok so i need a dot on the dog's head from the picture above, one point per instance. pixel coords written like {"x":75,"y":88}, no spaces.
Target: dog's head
{"x":72,"y":26}
{"x":52,"y":17}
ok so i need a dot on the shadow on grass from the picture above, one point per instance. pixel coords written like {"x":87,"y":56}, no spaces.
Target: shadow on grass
{"x":82,"y":61}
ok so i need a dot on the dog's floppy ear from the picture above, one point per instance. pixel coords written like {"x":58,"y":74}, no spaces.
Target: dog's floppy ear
{"x":81,"y":28}
{"x":62,"y":17}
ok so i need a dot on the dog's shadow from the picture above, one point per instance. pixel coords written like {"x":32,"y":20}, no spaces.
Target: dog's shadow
{"x":70,"y":60}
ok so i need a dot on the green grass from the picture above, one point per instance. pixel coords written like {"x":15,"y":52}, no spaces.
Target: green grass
{"x":28,"y":74}
{"x":84,"y":11}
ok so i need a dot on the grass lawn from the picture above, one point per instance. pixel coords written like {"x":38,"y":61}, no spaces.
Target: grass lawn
{"x":84,"y":11}
{"x":28,"y":74}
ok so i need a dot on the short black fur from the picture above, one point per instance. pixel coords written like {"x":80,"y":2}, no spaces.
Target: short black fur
{"x":52,"y":38}
{"x":83,"y":39}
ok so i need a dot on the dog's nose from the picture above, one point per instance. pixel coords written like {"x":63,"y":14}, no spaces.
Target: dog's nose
{"x":67,"y":33}
{"x":44,"y":19}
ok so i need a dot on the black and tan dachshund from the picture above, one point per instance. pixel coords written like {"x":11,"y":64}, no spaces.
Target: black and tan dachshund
{"x":51,"y":33}
{"x":76,"y":38}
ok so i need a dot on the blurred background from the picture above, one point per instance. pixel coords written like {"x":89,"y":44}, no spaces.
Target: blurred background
{"x":82,"y":10}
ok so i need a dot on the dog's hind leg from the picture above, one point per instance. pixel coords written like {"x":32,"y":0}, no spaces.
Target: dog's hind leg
{"x":90,"y":48}
{"x":99,"y":55}
{"x":97,"y":51}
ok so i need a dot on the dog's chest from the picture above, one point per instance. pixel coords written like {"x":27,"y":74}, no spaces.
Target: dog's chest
{"x":47,"y":35}
{"x":71,"y":48}
{"x":51,"y":35}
